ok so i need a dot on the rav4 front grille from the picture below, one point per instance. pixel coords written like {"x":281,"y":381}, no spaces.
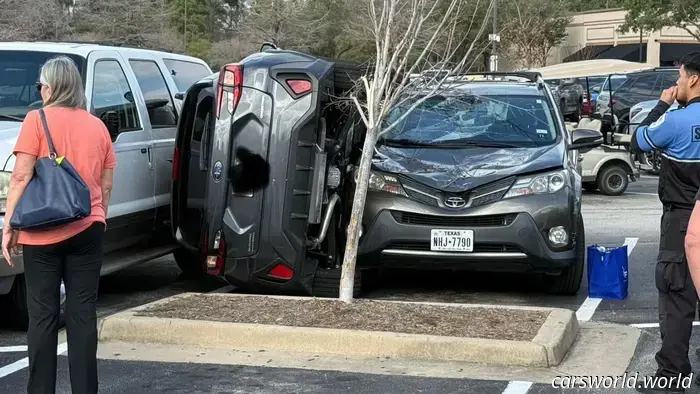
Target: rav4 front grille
{"x":478,"y":248}
{"x":453,"y":221}
{"x":482,"y":195}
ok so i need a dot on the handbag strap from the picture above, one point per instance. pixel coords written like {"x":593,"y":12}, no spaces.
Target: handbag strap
{"x":52,"y":148}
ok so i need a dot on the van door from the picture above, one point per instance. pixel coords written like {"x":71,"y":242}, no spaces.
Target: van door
{"x":162,"y":115}
{"x":112,"y":98}
{"x":191,"y":164}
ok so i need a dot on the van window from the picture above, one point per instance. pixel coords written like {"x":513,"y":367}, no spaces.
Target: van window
{"x":159,"y":102}
{"x":19,"y":73}
{"x":113,"y":100}
{"x":185,"y":73}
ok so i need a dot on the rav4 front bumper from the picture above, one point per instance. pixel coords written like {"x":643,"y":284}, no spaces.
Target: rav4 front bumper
{"x":509,"y":235}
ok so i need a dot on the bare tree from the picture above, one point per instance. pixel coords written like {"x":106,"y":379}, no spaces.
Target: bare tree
{"x":421,"y":48}
{"x":533,"y":28}
{"x":32,"y":20}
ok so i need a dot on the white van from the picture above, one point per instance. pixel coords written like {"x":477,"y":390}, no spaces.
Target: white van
{"x":137,"y":93}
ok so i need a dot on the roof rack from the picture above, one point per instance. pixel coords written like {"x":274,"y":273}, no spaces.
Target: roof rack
{"x":531,"y":76}
{"x":103,"y":43}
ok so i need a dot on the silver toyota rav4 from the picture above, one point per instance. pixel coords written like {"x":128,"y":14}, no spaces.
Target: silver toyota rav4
{"x":135,"y":92}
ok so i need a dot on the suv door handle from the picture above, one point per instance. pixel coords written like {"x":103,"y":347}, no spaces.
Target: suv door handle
{"x":150,"y":158}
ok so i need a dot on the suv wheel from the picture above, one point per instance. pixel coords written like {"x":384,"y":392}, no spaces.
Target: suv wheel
{"x":188,"y":262}
{"x":19,"y":313}
{"x":569,"y":281}
{"x":613,"y":180}
{"x":327,"y":282}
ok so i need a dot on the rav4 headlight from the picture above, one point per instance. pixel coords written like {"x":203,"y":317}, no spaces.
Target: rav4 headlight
{"x":383,"y":182}
{"x":550,"y":182}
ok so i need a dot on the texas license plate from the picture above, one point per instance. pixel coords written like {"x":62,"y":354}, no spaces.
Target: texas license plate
{"x":452,"y":240}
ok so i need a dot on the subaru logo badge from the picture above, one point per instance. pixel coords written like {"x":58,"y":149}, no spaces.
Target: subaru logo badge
{"x":217,"y":171}
{"x":455,"y":202}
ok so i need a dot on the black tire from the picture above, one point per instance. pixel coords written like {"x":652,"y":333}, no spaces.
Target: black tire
{"x":347,"y":74}
{"x":590,"y":186}
{"x":327,"y":283}
{"x":569,"y":281}
{"x":189,"y":263}
{"x":613,"y":180}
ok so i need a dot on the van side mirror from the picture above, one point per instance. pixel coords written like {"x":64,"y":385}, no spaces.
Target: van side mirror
{"x":180,"y":96}
{"x":585,"y":138}
{"x":249,"y":172}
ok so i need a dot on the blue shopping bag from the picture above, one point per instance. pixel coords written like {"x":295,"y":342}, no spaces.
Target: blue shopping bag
{"x":607,"y":272}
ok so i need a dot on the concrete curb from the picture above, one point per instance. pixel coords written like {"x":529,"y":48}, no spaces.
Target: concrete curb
{"x":547,"y":349}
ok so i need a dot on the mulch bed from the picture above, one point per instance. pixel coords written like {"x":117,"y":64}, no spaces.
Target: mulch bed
{"x":367,"y":315}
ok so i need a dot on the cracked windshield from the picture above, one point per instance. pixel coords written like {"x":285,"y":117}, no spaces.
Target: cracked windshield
{"x":463,"y":120}
{"x":19,"y":74}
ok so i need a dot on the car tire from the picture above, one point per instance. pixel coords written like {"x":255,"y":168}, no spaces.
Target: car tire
{"x":19,"y":312}
{"x":613,"y":180}
{"x":188,"y":262}
{"x":347,"y":74}
{"x":327,"y":283}
{"x":569,"y":281}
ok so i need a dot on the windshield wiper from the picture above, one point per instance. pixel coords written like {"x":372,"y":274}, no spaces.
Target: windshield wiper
{"x":15,"y":118}
{"x":407,"y":143}
{"x":484,"y":144}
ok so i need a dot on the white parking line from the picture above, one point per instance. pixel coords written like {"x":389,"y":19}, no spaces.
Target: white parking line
{"x":643,"y":194}
{"x":655,"y":325}
{"x":517,"y":387}
{"x":24,"y":363}
{"x":584,"y":313}
{"x":13,"y":349}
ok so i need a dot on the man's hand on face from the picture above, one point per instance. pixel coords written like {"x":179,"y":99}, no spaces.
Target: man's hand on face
{"x":668,"y":96}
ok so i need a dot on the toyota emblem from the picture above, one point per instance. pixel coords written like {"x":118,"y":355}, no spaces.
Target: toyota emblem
{"x":455,"y":202}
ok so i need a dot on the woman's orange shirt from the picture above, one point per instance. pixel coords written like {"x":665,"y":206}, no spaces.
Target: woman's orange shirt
{"x":85,"y":142}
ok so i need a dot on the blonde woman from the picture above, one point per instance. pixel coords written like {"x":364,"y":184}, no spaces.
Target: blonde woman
{"x":72,"y":252}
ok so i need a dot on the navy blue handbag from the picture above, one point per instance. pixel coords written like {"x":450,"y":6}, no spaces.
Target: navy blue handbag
{"x":608,"y":272}
{"x":55,"y":196}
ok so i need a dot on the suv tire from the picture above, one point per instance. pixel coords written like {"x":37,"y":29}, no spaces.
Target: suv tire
{"x":569,"y":281}
{"x":327,"y":282}
{"x":613,"y":180}
{"x":188,"y":262}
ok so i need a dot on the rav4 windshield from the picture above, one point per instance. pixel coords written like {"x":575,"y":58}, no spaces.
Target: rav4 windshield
{"x":525,"y":120}
{"x":19,"y":73}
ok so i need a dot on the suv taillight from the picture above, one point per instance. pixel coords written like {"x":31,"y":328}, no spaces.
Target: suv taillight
{"x":231,"y":84}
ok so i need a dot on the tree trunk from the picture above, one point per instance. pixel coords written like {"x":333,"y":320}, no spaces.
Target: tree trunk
{"x":347,"y":277}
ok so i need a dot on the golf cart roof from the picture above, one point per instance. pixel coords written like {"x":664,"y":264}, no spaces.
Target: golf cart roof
{"x":590,"y":68}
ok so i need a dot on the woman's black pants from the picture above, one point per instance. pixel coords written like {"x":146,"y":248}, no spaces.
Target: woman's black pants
{"x":77,"y":261}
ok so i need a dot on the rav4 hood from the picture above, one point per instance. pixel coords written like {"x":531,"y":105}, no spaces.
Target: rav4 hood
{"x":9,"y":131}
{"x":460,"y":169}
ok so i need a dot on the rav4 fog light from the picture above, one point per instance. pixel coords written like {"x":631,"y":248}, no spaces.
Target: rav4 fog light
{"x":558,"y":236}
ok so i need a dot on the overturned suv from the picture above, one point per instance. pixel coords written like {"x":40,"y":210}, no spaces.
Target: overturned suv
{"x":483,"y":176}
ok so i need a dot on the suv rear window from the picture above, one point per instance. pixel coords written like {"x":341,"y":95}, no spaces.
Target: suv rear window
{"x":185,"y":73}
{"x":19,"y":73}
{"x":521,"y":120}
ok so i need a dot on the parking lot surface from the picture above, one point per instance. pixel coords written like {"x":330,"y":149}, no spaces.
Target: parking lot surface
{"x":632,"y":218}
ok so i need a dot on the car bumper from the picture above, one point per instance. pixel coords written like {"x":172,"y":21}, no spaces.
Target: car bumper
{"x":509,"y":235}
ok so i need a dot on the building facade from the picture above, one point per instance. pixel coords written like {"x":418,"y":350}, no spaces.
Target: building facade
{"x":595,"y":35}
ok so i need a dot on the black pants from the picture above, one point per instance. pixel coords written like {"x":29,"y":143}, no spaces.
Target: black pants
{"x":677,"y":296}
{"x":77,"y":261}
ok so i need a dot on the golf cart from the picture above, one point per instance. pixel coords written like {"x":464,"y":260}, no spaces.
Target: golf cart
{"x":608,"y":167}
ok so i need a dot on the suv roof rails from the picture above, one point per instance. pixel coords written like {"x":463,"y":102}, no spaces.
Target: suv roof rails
{"x":532,"y":76}
{"x":103,"y":43}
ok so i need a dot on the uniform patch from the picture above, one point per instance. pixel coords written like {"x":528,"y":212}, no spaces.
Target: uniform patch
{"x":696,"y":133}
{"x":658,"y":122}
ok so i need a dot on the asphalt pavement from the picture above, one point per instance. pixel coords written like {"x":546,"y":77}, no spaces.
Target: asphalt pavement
{"x":633,"y":217}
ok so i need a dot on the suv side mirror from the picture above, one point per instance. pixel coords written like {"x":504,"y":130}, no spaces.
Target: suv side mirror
{"x":249,"y":172}
{"x":585,"y":138}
